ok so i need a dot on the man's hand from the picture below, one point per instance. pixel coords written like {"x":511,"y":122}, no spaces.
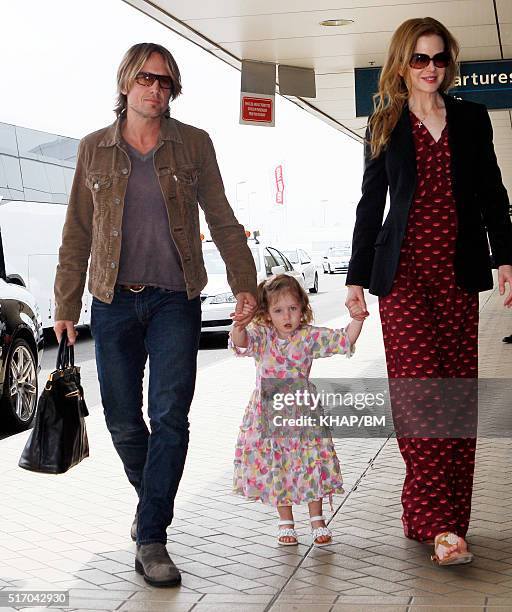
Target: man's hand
{"x":245,"y":308}
{"x":355,"y":303}
{"x":505,"y":276}
{"x":59,"y":328}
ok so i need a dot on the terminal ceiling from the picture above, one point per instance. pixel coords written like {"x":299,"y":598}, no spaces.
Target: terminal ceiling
{"x":289,"y":32}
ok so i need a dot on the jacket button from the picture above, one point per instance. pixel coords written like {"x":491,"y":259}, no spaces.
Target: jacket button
{"x":113,"y":264}
{"x":117,"y":200}
{"x":115,"y":233}
{"x":108,"y":294}
{"x":124,"y":171}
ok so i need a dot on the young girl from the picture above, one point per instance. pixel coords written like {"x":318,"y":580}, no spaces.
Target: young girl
{"x":285,"y":471}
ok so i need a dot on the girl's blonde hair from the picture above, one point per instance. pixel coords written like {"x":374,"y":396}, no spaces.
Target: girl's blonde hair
{"x":269,"y":290}
{"x":394,"y":89}
{"x":132,"y":63}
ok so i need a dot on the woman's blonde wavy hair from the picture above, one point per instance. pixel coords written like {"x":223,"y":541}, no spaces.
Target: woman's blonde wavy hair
{"x":270,"y":290}
{"x":394,"y":89}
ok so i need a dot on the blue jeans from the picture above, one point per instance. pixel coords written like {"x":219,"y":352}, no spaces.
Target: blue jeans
{"x":164,"y":326}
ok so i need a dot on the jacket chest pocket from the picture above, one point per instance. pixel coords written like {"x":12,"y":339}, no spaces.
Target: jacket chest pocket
{"x":186,"y":179}
{"x":101,"y":189}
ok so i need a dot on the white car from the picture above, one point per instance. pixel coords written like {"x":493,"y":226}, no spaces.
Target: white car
{"x":302,"y":262}
{"x":217,"y":300}
{"x":336,"y":259}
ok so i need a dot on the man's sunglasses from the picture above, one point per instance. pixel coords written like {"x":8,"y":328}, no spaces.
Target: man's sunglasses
{"x":148,"y":78}
{"x":422,"y":60}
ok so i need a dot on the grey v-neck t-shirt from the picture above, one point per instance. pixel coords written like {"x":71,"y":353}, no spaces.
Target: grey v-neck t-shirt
{"x":148,"y":253}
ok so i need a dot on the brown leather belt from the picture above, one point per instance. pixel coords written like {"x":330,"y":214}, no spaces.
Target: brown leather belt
{"x":132,"y":288}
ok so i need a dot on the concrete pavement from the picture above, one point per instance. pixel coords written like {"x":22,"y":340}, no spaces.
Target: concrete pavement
{"x":71,"y":532}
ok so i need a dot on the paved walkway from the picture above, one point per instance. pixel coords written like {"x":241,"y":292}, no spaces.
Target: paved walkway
{"x":72,"y":532}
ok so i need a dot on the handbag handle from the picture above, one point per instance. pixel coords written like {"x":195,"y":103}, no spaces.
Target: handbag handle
{"x":66,"y":353}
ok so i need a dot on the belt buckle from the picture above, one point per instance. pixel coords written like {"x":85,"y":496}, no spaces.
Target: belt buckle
{"x":142,"y":287}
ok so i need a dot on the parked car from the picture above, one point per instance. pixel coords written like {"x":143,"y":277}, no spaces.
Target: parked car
{"x":217,"y":300}
{"x":302,"y":262}
{"x":21,"y":345}
{"x":336,"y":259}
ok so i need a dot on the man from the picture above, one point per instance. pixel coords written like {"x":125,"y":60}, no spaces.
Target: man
{"x":133,"y":210}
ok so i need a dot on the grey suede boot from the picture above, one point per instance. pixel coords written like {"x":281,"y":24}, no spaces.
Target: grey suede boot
{"x":153,"y":562}
{"x":133,"y":529}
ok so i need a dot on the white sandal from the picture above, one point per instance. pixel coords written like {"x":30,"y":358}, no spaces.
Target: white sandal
{"x":316,"y":532}
{"x":288,"y":532}
{"x":442,"y":557}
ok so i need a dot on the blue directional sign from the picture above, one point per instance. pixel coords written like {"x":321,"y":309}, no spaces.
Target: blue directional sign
{"x":487,"y":82}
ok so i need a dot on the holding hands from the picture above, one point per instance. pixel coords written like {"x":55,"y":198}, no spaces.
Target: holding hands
{"x":244,"y":310}
{"x":356,"y":303}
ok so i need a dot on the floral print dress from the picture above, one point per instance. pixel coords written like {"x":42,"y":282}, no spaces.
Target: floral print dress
{"x":280,"y":470}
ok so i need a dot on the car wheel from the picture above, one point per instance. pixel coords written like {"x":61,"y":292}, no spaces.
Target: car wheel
{"x":330,"y":270}
{"x":314,"y":288}
{"x":324,"y":269}
{"x":19,"y":399}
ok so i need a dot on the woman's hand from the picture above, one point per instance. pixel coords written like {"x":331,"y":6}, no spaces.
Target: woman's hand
{"x":505,"y":276}
{"x":355,"y":303}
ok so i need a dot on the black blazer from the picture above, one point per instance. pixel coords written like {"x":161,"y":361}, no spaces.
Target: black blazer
{"x":481,"y":202}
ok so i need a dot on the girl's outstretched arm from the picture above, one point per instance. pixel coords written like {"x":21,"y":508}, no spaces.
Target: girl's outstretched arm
{"x":353,"y":330}
{"x":240,"y":321}
{"x":239,"y":336}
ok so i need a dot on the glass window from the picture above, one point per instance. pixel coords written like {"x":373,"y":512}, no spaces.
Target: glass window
{"x":289,"y":266}
{"x":8,"y":139}
{"x":69,"y":173}
{"x":304,"y":257}
{"x":43,"y":168}
{"x":10,"y":174}
{"x":59,"y":198}
{"x":11,"y":194}
{"x":69,"y":150}
{"x":292,"y":256}
{"x":43,"y":146}
{"x":35,"y":177}
{"x":278,"y":257}
{"x":55,"y":176}
{"x":270,"y":262}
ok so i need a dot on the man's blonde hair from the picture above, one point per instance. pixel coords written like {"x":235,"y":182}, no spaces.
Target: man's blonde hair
{"x":132,"y":63}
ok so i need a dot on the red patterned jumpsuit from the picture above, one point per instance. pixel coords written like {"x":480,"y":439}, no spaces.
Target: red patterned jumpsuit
{"x":430,"y":328}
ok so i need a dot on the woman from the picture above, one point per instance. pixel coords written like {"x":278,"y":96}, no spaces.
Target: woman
{"x":429,"y":260}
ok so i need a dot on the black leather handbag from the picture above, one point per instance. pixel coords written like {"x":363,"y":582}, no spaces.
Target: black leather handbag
{"x":58,"y":440}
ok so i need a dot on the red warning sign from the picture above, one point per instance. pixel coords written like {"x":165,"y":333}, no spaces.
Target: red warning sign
{"x":257,"y":110}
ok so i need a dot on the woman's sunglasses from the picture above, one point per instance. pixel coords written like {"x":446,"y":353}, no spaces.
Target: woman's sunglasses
{"x":422,"y":60}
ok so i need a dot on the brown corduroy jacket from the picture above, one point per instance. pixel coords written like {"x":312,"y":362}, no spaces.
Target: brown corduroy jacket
{"x":188,"y":173}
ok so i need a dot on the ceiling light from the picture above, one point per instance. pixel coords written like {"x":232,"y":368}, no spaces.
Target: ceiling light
{"x":336,"y":22}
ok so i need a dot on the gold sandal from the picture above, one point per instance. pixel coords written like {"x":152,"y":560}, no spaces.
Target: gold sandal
{"x":447,"y":540}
